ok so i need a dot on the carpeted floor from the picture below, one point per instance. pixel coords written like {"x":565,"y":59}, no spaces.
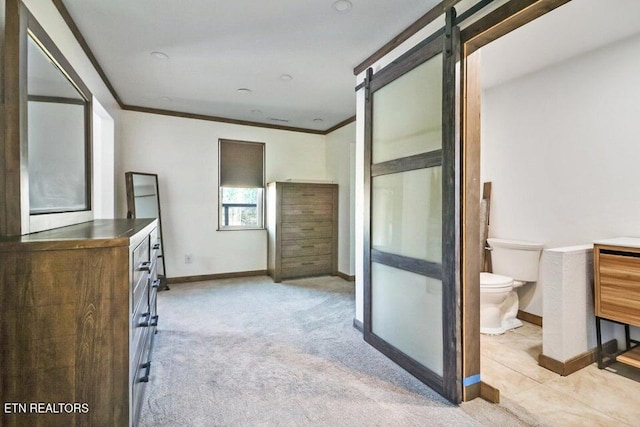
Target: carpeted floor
{"x":250,"y":352}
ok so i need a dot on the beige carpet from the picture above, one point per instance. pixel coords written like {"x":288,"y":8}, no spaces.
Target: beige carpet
{"x":250,"y":352}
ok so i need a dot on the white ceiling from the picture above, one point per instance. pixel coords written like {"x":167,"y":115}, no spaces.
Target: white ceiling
{"x":216,"y":47}
{"x":573,"y":29}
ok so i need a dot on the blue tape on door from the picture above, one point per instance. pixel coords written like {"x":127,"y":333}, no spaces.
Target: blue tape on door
{"x":474,"y":379}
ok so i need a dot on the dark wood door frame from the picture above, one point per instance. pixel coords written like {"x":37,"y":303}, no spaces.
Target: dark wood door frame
{"x":492,"y":26}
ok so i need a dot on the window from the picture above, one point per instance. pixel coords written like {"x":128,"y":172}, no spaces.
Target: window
{"x":241,"y":185}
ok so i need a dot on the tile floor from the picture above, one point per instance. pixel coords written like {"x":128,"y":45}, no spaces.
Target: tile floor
{"x":590,"y":396}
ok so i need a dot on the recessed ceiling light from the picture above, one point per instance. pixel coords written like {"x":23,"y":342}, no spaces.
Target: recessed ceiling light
{"x":275,"y":119}
{"x":318,"y":120}
{"x":342,"y":6}
{"x":166,"y":99}
{"x":161,"y":56}
{"x":286,"y":77}
{"x":244,"y":90}
{"x":256,"y":111}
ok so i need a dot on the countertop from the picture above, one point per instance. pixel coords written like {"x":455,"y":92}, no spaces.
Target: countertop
{"x":628,"y":242}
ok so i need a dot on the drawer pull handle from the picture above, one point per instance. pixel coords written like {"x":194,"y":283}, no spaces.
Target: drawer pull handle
{"x":307,"y":247}
{"x":308,"y":263}
{"x":154,"y":320}
{"x":308,"y":212}
{"x":155,"y":283}
{"x":147,"y":370}
{"x":156,"y":246}
{"x":307,"y":229}
{"x":145,"y":266}
{"x":145,"y":323}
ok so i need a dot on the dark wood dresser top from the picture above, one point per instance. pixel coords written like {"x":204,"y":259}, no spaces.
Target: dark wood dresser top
{"x":97,"y":233}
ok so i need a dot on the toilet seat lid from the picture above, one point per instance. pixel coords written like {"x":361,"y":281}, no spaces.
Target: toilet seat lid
{"x":494,"y":280}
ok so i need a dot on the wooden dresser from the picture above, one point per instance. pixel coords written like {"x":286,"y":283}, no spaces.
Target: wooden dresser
{"x":616,"y":265}
{"x":302,"y":220}
{"x":78,"y":316}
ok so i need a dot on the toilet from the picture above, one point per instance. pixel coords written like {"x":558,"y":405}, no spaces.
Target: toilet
{"x":514,"y":264}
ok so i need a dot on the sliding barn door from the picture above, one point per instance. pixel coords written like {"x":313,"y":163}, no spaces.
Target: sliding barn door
{"x":412,"y":279}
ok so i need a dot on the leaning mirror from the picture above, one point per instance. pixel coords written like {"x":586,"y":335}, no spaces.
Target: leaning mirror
{"x":143,"y":201}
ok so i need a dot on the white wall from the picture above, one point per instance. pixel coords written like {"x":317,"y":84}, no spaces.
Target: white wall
{"x":561,"y":148}
{"x":569,"y":320}
{"x":103,"y":162}
{"x":184,"y":154}
{"x":340,"y":159}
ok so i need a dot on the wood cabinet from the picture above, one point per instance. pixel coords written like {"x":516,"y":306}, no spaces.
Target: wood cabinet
{"x":78,"y":308}
{"x":617,"y":293}
{"x":302,"y":220}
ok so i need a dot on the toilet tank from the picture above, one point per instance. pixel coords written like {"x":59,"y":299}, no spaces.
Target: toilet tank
{"x":516,"y":259}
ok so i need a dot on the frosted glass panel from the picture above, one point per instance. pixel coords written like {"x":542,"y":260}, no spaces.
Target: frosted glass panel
{"x":406,"y":214}
{"x":407,"y":116}
{"x":406,"y":312}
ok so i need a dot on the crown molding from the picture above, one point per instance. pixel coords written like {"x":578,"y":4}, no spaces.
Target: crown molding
{"x":206,"y":117}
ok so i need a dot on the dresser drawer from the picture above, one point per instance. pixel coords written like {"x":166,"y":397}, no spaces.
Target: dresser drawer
{"x":154,"y":244}
{"x":309,"y":196}
{"x":306,"y":266}
{"x":153,"y":237}
{"x":306,"y":247}
{"x":153,"y":306}
{"x":140,"y":336}
{"x":618,"y":290}
{"x":301,"y":210}
{"x":139,"y":382}
{"x":307,"y":230}
{"x":141,"y":261}
{"x":139,"y":292}
{"x":139,"y":328}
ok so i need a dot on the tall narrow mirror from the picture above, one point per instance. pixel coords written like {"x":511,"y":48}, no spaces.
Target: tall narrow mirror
{"x":143,"y":201}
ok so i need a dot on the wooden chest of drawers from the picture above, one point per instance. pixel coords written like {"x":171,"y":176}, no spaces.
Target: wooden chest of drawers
{"x":616,"y":265}
{"x":78,"y":316}
{"x":302,"y":220}
{"x":617,"y":282}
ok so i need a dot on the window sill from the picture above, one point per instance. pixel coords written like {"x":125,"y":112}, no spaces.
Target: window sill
{"x":240,"y":229}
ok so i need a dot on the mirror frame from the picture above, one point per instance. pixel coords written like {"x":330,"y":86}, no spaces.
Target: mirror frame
{"x":131,"y":213}
{"x":15,"y":215}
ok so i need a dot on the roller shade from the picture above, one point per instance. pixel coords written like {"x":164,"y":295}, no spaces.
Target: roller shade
{"x":241,"y":164}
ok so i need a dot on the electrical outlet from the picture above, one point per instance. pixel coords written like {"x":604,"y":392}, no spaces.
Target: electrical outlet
{"x":188,"y":258}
